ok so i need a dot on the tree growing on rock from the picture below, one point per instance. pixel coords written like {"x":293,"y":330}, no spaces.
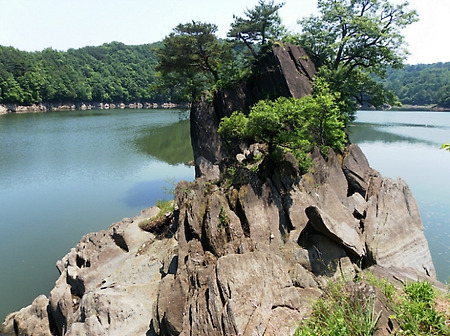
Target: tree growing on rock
{"x":350,"y":40}
{"x":192,"y":58}
{"x":261,"y":25}
{"x":290,"y":124}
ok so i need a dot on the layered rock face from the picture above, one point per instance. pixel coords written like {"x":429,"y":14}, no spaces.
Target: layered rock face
{"x":241,"y":257}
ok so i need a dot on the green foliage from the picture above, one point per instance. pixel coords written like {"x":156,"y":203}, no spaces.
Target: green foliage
{"x":446,"y":146}
{"x":234,"y":127}
{"x":289,"y":124}
{"x":112,"y":72}
{"x":352,"y":39}
{"x":387,"y":288}
{"x":416,"y":312}
{"x":338,"y":314}
{"x":191,"y":58}
{"x":324,"y":122}
{"x":261,"y":26}
{"x":164,"y":208}
{"x":223,"y":216}
{"x":420,"y":84}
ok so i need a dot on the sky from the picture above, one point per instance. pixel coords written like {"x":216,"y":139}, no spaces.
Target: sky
{"x":33,"y":25}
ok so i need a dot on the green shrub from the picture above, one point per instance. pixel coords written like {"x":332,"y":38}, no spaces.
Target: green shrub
{"x":289,"y":124}
{"x":386,"y":287}
{"x":416,"y":311}
{"x":446,"y":146}
{"x":337,"y":314}
{"x":164,"y":208}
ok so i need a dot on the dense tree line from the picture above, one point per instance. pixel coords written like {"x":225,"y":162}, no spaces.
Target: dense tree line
{"x":113,"y":72}
{"x":117,"y":72}
{"x":421,"y":84}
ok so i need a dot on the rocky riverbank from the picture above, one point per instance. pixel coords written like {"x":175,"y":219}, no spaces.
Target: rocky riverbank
{"x":238,"y":257}
{"x":45,"y":107}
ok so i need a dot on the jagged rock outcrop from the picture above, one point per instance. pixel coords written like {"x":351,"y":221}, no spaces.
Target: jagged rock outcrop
{"x":240,"y":257}
{"x":231,"y":239}
{"x":287,"y":71}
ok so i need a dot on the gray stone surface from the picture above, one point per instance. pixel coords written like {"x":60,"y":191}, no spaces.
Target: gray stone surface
{"x":393,"y":228}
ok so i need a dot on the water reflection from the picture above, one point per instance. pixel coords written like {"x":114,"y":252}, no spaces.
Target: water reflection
{"x":170,"y":144}
{"x":146,"y":193}
{"x":368,"y":132}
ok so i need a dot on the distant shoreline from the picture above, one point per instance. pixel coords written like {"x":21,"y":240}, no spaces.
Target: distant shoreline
{"x":427,"y":108}
{"x":46,"y":107}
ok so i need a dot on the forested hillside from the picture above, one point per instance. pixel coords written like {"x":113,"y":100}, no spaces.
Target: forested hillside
{"x":421,"y":84}
{"x":112,"y":72}
{"x":116,"y":72}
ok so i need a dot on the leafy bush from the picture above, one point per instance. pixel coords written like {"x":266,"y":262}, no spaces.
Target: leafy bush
{"x":446,"y":146}
{"x":165,"y":207}
{"x":337,"y":314}
{"x":289,"y":124}
{"x":416,"y":312}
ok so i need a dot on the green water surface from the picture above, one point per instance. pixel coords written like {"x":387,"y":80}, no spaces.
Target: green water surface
{"x":64,"y":174}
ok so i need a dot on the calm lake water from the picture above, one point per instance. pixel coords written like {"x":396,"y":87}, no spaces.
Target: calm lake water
{"x":406,"y":145}
{"x":64,"y":174}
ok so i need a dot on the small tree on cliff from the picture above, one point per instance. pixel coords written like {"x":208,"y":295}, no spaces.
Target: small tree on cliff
{"x":192,"y":58}
{"x":261,"y":25}
{"x":352,"y":39}
{"x":289,"y":124}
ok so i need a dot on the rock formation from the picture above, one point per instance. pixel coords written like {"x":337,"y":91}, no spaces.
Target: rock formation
{"x":240,"y":257}
{"x":286,"y":72}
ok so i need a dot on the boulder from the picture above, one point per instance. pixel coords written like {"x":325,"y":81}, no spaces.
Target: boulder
{"x":357,"y":205}
{"x":393,"y":227}
{"x":345,"y":233}
{"x":356,"y":169}
{"x":29,"y":321}
{"x":207,"y":169}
